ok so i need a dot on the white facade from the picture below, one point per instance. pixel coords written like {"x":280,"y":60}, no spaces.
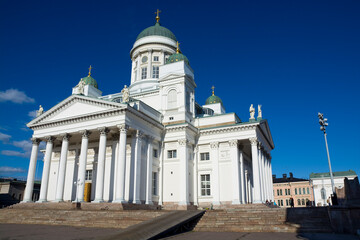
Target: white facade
{"x":157,"y":147}
{"x":322,"y":185}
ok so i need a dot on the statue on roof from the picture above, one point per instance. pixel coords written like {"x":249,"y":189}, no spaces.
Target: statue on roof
{"x":125,"y":96}
{"x":259,"y":111}
{"x":252,"y":112}
{"x":40,"y":111}
{"x":81,"y":86}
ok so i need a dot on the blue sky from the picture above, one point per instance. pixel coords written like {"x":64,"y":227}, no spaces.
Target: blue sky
{"x":296,"y":58}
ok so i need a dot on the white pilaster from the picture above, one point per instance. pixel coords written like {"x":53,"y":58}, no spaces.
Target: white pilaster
{"x":255,"y":171}
{"x":195,"y":176}
{"x":46,"y":170}
{"x":242,"y":176}
{"x":99,"y":191}
{"x":31,"y":172}
{"x":121,"y":166}
{"x":82,"y":165}
{"x":184,"y":171}
{"x":261,"y":173}
{"x":137,"y":167}
{"x":62,"y":168}
{"x":149,"y":171}
{"x":214,"y":177}
{"x":234,"y":154}
{"x":161,"y":172}
{"x":272,"y":184}
{"x":149,"y":72}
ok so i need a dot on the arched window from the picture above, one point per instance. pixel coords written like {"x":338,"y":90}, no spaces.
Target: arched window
{"x":172,"y":99}
{"x":298,"y":202}
{"x":323,"y":193}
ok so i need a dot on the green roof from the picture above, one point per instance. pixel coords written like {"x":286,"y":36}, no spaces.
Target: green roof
{"x":156,"y":30}
{"x":213,"y":99}
{"x":90,"y":81}
{"x":335,"y":174}
{"x":177,"y":57}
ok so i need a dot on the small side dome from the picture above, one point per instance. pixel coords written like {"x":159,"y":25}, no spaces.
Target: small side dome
{"x":213,"y":98}
{"x":176,"y":57}
{"x":90,"y":81}
{"x":156,"y":30}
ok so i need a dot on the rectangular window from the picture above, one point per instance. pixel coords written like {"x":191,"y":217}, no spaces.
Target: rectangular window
{"x":295,"y":191}
{"x":278,"y":193}
{"x":282,"y":203}
{"x":304,"y":191}
{"x":155,"y":153}
{"x":281,"y":192}
{"x":299,"y":191}
{"x":204,"y":156}
{"x":155,"y":72}
{"x":156,"y":58}
{"x":154,"y":184}
{"x":287,"y":202}
{"x":205,"y":185}
{"x":303,"y":202}
{"x":308,"y":192}
{"x":88,"y":175}
{"x":279,"y":203}
{"x":172,"y":154}
{"x":143,"y":73}
{"x":286,"y":192}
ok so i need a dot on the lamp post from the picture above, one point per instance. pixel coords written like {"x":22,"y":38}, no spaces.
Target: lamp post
{"x":323,"y":124}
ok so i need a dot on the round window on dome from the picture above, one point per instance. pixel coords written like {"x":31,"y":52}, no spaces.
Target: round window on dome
{"x":144,"y":59}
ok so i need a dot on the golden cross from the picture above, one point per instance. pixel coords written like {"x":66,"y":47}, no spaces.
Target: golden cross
{"x":213,"y":90}
{"x":90,"y":70}
{"x":157,"y":15}
{"x":177,"y":47}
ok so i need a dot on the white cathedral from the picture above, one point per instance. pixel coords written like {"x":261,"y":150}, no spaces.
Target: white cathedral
{"x":151,"y":143}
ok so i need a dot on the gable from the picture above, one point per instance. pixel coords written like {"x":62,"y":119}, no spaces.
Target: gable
{"x":264,"y":126}
{"x":75,"y":106}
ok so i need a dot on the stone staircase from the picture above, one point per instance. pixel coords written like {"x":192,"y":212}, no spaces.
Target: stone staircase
{"x":260,"y":218}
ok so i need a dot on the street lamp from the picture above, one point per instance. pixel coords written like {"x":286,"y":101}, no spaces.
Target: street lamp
{"x":323,"y":124}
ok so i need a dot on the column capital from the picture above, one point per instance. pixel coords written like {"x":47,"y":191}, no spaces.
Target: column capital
{"x":85,"y":133}
{"x":35,"y":141}
{"x":65,"y":136}
{"x":260,"y":146}
{"x":123,"y":127}
{"x":183,"y":142}
{"x":214,"y":145}
{"x":103,"y":130}
{"x":139,"y":134}
{"x":196,"y":149}
{"x":50,"y":139}
{"x":253,"y":141}
{"x":233,"y":143}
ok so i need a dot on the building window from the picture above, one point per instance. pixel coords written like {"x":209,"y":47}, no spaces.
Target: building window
{"x":323,"y":193}
{"x":308,"y":191}
{"x":204,"y":156}
{"x":286,"y":192}
{"x":295,"y":191}
{"x":304,"y":191}
{"x":280,"y":192}
{"x":155,"y":153}
{"x":205,"y":185}
{"x":298,"y":202}
{"x":303,"y":202}
{"x":172,"y":154}
{"x":282,"y":203}
{"x":88,"y":175}
{"x":143,"y":73}
{"x":154,"y":183}
{"x":279,"y":203}
{"x":155,"y":72}
{"x":172,"y":99}
{"x":299,"y":191}
{"x":287,"y":202}
{"x":156,"y":58}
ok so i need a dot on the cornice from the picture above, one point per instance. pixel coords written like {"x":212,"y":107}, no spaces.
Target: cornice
{"x":234,"y":128}
{"x":182,"y":127}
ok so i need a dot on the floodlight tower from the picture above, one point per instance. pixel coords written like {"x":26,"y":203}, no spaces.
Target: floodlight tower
{"x":323,"y":125}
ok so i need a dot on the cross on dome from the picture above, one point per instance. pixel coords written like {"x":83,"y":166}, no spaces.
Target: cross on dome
{"x":213,"y":90}
{"x":177,"y":47}
{"x":90,"y":71}
{"x":157,"y":15}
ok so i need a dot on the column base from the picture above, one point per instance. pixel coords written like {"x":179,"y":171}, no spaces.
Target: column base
{"x":119,"y":201}
{"x":42,"y":201}
{"x":149,"y":202}
{"x":26,"y":201}
{"x":236,"y":202}
{"x":58,"y":200}
{"x":98,"y":201}
{"x":257,"y":201}
{"x":136,"y":202}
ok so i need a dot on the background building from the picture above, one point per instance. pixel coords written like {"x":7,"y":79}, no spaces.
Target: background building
{"x":289,"y":187}
{"x":322,"y":185}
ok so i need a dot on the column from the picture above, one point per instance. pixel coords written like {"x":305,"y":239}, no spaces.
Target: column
{"x":184,"y":172}
{"x":266,"y":183}
{"x":31,"y":173}
{"x":255,"y":171}
{"x":242,"y":176}
{"x":149,"y":171}
{"x":261,"y":172}
{"x":138,"y":77}
{"x":234,"y":154}
{"x":195,"y":176}
{"x":149,"y":75}
{"x":161,"y":172}
{"x":121,"y":166}
{"x":46,"y":169}
{"x":137,"y":167}
{"x":99,"y":191}
{"x":214,"y":177}
{"x":269,"y":187}
{"x":59,"y":197}
{"x":271,"y":182}
{"x":82,"y":166}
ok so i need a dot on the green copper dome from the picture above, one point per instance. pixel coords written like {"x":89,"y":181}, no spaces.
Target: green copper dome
{"x":213,"y":99}
{"x":156,"y":30}
{"x":177,"y":57}
{"x":90,"y":81}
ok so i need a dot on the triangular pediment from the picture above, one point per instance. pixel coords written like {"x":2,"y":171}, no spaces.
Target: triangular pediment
{"x":73,"y":107}
{"x":171,"y":76}
{"x":266,"y":131}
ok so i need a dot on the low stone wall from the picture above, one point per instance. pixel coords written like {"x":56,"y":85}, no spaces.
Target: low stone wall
{"x":345,"y":219}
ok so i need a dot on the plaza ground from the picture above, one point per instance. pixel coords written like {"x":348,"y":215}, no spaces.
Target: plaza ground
{"x":45,"y":232}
